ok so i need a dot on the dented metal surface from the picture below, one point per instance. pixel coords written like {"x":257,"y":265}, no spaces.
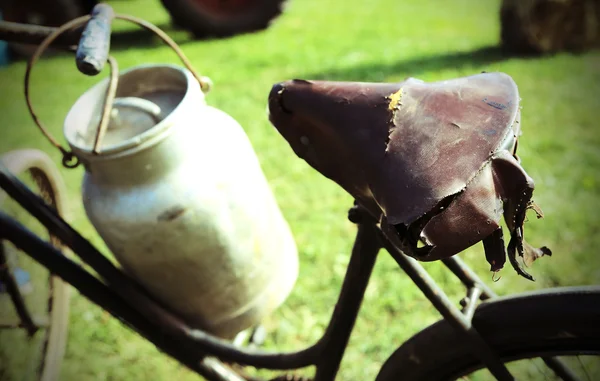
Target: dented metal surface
{"x":435,"y":161}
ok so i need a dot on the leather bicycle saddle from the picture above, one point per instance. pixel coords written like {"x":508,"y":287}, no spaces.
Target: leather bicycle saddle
{"x":436,"y":162}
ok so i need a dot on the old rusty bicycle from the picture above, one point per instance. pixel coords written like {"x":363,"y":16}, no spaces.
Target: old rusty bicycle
{"x":486,"y":332}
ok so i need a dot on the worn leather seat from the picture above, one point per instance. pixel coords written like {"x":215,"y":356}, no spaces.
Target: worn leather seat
{"x":435,"y":161}
{"x":407,"y":145}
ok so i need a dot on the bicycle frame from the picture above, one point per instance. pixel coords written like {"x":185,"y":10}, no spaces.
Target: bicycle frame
{"x":124,"y":299}
{"x":121,"y":296}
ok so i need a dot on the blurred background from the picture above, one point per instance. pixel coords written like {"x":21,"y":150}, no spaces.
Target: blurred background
{"x":349,"y":40}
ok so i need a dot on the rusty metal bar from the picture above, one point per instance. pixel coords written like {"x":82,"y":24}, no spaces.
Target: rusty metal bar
{"x":472,"y":298}
{"x":12,"y":287}
{"x":449,"y":311}
{"x":358,"y":273}
{"x":35,"y":34}
{"x":561,"y":369}
{"x":467,"y":276}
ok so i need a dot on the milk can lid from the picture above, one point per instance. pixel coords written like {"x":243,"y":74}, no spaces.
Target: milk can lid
{"x":145,"y":97}
{"x":131,"y":116}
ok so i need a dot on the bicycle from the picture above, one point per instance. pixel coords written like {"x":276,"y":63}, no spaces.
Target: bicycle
{"x":546,"y":324}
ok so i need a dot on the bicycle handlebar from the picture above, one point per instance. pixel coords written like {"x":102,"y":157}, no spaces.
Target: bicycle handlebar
{"x":94,"y":45}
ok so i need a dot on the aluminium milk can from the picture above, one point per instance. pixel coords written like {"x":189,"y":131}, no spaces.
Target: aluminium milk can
{"x":179,"y":197}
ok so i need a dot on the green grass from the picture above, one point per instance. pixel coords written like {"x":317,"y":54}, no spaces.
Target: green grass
{"x":381,"y":40}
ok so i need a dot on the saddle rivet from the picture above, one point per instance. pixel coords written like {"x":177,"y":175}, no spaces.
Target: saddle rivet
{"x":304,"y":140}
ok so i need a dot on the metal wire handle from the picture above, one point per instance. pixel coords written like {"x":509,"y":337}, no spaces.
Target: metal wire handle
{"x":69,"y":159}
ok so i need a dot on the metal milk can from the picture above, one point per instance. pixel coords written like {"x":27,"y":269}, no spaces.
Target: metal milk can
{"x":178,"y":195}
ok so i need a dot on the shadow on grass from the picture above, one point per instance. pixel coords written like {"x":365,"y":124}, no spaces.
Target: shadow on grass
{"x":374,"y":72}
{"x":142,"y":38}
{"x":138,"y":37}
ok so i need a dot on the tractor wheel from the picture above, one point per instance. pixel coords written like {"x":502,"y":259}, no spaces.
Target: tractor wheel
{"x":222,"y":18}
{"x":549,"y":26}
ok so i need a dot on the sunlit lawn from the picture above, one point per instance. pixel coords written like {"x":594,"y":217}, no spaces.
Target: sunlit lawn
{"x":380,"y":40}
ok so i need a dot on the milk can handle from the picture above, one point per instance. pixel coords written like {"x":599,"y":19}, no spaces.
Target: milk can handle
{"x":93,"y":47}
